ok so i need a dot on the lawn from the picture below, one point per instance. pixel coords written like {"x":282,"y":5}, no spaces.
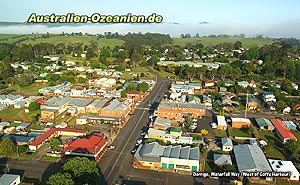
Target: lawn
{"x":12,"y":114}
{"x":246,"y":42}
{"x":272,"y":151}
{"x":236,"y":132}
{"x":163,"y":73}
{"x":220,"y":133}
{"x":31,"y":89}
{"x":284,"y":182}
{"x":28,"y":156}
{"x":49,"y":158}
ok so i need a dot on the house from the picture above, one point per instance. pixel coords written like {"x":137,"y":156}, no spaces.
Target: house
{"x":209,"y":83}
{"x":10,"y":179}
{"x":264,"y":124}
{"x":221,"y":123}
{"x":207,"y":101}
{"x":285,"y":166}
{"x":3,"y":124}
{"x":282,"y":131}
{"x":19,"y":104}
{"x":240,"y":123}
{"x":176,"y":132}
{"x":229,"y":83}
{"x":10,"y":99}
{"x":244,"y":84}
{"x":222,"y":159}
{"x":252,"y":104}
{"x":252,"y":84}
{"x":78,"y":92}
{"x":134,"y":96}
{"x":180,"y":111}
{"x":41,"y":140}
{"x":251,"y":158}
{"x":86,"y":119}
{"x":271,"y":106}
{"x":222,"y":89}
{"x":154,"y":156}
{"x":90,"y":146}
{"x":295,"y":86}
{"x":227,"y":145}
{"x":23,"y":126}
{"x":269,"y":97}
{"x":162,"y":123}
{"x":156,"y":134}
{"x":290,"y":125}
{"x":286,"y":110}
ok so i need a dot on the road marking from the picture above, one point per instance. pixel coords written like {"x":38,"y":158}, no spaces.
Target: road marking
{"x":124,"y":146}
{"x":141,"y":108}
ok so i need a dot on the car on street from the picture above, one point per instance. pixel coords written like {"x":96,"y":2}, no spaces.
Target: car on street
{"x":213,"y":125}
{"x":134,"y":150}
{"x":139,"y":141}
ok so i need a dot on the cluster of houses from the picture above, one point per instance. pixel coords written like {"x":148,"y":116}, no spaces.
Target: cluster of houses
{"x":251,"y":158}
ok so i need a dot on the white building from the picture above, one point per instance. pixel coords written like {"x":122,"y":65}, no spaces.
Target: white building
{"x":227,"y":145}
{"x":285,"y":166}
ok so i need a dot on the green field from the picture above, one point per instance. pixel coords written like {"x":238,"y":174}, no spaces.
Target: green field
{"x":236,"y":132}
{"x":86,"y":39}
{"x":12,"y":114}
{"x":246,"y":42}
{"x":272,"y":151}
{"x":220,"y":133}
{"x":31,"y":89}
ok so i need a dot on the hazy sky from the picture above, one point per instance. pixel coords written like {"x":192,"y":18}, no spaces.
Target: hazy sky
{"x":234,"y":15}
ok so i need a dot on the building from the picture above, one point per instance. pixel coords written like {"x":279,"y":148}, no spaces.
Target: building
{"x":134,"y":95}
{"x":3,"y":124}
{"x":282,"y":131}
{"x":156,"y":134}
{"x":23,"y":126}
{"x":250,"y":158}
{"x":154,"y":156}
{"x":180,"y":111}
{"x":264,"y":124}
{"x":90,"y":146}
{"x":285,"y":166}
{"x":115,"y":109}
{"x":86,"y":119}
{"x":162,"y":123}
{"x":290,"y":125}
{"x":222,"y":159}
{"x":269,"y":97}
{"x":18,"y":139}
{"x":96,"y":106}
{"x":209,"y":83}
{"x":176,"y":132}
{"x":39,"y":141}
{"x":10,"y":179}
{"x":227,"y":145}
{"x":252,"y":104}
{"x":240,"y":123}
{"x":221,"y":123}
{"x":244,"y":84}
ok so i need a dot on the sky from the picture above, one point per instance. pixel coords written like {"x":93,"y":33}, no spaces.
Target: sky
{"x":271,"y":17}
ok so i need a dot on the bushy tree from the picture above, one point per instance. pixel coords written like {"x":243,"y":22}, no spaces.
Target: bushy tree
{"x":54,"y":142}
{"x":290,"y":146}
{"x":34,"y":106}
{"x":7,"y":147}
{"x":143,"y":87}
{"x":61,"y":179}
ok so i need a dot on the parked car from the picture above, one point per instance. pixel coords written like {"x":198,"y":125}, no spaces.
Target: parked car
{"x":134,"y":150}
{"x":213,"y":125}
{"x":143,"y":133}
{"x":139,"y":141}
{"x":111,"y":147}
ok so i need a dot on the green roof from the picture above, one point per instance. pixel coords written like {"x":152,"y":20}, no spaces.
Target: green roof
{"x":263,"y":122}
{"x":175,"y":130}
{"x":223,"y":89}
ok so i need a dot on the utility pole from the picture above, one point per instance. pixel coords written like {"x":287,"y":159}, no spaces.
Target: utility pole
{"x":246,"y":105}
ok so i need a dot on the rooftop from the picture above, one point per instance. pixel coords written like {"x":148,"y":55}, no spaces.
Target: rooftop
{"x":171,"y":105}
{"x":250,"y":158}
{"x":282,"y":129}
{"x":263,"y":122}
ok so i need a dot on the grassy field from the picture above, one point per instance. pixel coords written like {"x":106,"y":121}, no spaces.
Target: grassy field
{"x":220,"y":133}
{"x":239,"y":133}
{"x":12,"y":114}
{"x":31,"y":89}
{"x":56,"y":39}
{"x":272,"y":151}
{"x":246,"y":42}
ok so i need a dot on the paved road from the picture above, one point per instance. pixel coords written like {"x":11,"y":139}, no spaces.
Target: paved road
{"x":118,"y":162}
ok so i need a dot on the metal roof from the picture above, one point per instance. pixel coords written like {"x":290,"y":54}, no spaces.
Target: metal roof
{"x":250,"y":158}
{"x":222,"y":159}
{"x":163,"y":122}
{"x":263,"y":122}
{"x":226,"y":142}
{"x":172,"y":105}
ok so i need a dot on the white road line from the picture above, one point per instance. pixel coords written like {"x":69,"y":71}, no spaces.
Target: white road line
{"x":124,"y":147}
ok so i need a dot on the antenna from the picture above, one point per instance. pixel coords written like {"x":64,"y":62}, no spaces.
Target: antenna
{"x":246,"y":105}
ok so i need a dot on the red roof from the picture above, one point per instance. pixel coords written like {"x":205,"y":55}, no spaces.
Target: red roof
{"x":50,"y":132}
{"x":282,"y":129}
{"x":91,"y":145}
{"x":296,"y":106}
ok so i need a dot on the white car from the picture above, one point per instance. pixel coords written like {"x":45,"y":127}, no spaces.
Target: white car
{"x":213,"y":125}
